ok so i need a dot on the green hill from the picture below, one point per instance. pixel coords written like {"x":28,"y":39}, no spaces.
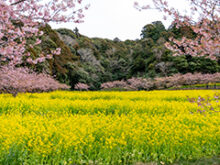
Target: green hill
{"x":95,"y":60}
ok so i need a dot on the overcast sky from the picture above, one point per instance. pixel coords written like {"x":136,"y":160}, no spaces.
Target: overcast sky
{"x":118,"y":18}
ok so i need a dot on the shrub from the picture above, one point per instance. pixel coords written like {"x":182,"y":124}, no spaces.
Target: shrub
{"x":115,"y":84}
{"x":82,"y":87}
{"x":140,"y":84}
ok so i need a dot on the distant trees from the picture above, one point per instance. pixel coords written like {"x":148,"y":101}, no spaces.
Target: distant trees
{"x":203,"y":18}
{"x":116,"y":39}
{"x":153,"y":58}
{"x":175,"y":81}
{"x":76,"y":31}
{"x":104,"y":60}
{"x":153,"y":30}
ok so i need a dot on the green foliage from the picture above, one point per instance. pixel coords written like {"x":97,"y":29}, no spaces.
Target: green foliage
{"x":94,"y":61}
{"x":182,"y":31}
{"x":59,"y":65}
{"x":153,"y":30}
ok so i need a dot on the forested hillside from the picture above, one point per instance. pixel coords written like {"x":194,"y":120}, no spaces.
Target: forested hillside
{"x":94,"y":60}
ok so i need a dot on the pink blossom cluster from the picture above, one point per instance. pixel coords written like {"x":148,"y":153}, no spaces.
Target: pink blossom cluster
{"x":186,"y":79}
{"x":205,"y":104}
{"x":82,"y":87}
{"x":130,"y":84}
{"x":176,"y":80}
{"x":139,"y":84}
{"x":114,"y":84}
{"x":21,"y":19}
{"x":203,"y":17}
{"x":16,"y":80}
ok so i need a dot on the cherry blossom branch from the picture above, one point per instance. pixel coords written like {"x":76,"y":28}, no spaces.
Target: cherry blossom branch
{"x":206,"y":27}
{"x":21,"y":19}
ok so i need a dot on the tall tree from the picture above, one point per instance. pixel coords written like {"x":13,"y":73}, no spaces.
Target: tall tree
{"x":153,"y":30}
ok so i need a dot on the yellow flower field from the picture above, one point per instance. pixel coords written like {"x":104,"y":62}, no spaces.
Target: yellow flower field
{"x":106,"y":128}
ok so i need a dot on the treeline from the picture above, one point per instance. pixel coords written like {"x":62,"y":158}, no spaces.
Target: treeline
{"x":177,"y":81}
{"x":94,"y":61}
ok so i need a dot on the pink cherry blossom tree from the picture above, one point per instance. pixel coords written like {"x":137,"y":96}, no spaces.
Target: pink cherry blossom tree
{"x":203,"y":18}
{"x":175,"y":81}
{"x":20,"y":20}
{"x":20,"y":80}
{"x":82,"y":87}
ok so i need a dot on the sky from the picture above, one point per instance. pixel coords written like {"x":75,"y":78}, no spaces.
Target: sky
{"x":118,"y":18}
